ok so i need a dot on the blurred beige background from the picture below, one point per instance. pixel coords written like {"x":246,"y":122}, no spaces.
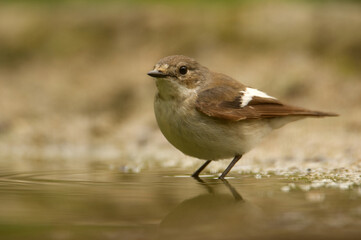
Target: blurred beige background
{"x":74,"y":89}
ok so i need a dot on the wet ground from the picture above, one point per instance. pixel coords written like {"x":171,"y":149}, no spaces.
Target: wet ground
{"x":99,"y":203}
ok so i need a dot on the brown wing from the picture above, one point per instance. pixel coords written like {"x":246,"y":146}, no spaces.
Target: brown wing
{"x":225,"y":102}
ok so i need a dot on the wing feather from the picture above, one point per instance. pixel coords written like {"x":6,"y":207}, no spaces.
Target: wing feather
{"x":225,"y":102}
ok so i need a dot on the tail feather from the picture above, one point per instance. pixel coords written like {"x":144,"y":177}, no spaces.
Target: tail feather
{"x":287,"y":110}
{"x":298,"y":115}
{"x":324,"y":114}
{"x":311,"y":113}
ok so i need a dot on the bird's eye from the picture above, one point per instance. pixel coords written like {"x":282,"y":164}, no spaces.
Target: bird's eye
{"x":183,"y":70}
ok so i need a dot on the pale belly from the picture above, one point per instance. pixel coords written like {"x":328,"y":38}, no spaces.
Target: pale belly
{"x":203,"y":137}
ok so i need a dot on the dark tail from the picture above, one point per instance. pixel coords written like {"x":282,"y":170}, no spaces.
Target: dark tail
{"x":317,"y":114}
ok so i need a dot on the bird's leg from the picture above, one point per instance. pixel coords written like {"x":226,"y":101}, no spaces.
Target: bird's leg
{"x":196,"y":173}
{"x":230,"y":166}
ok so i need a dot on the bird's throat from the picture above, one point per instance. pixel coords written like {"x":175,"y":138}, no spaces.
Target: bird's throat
{"x":172,"y":90}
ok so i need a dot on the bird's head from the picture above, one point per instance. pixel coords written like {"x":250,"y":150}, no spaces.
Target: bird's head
{"x":179,"y":73}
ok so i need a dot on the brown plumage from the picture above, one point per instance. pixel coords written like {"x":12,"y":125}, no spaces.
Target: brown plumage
{"x":225,"y":102}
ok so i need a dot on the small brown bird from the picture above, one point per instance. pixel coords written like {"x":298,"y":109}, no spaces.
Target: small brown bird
{"x":210,"y":115}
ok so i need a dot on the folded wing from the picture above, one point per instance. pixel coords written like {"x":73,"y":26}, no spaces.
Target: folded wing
{"x":228,"y":103}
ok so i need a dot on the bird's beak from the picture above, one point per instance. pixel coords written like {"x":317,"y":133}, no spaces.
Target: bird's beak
{"x":157,"y":74}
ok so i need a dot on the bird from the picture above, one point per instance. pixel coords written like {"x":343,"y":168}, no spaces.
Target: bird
{"x":211,"y":116}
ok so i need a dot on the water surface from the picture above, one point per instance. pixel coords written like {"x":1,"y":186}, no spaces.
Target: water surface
{"x":99,"y":203}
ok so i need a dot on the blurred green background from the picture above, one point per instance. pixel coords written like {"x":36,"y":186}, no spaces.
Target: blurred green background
{"x":73,"y":80}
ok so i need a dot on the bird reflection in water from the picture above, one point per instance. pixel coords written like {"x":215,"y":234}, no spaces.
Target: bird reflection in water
{"x":212,"y":215}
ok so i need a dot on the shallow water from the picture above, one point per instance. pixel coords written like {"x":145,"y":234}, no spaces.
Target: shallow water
{"x":99,"y":203}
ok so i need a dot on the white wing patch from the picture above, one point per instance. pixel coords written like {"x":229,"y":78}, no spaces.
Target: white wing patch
{"x":249,"y":93}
